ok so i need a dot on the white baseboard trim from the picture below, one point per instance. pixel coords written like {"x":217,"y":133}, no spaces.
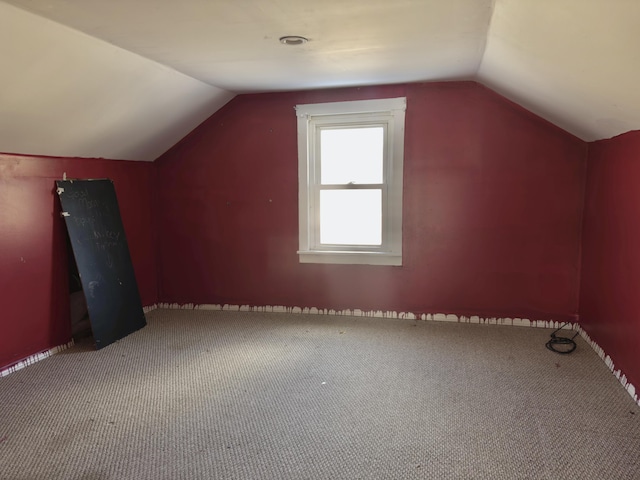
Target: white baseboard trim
{"x":435,"y":317}
{"x":622,"y":378}
{"x":149,"y":308}
{"x":36,"y":357}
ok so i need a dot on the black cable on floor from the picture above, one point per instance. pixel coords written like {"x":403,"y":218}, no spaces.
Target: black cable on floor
{"x":561,"y":345}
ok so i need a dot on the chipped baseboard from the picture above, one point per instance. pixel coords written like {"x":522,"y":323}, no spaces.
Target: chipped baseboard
{"x":622,"y":378}
{"x":36,"y":357}
{"x":149,"y":308}
{"x":429,"y":317}
{"x":435,"y":317}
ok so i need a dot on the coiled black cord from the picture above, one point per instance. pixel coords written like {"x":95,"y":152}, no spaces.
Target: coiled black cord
{"x":563,"y":345}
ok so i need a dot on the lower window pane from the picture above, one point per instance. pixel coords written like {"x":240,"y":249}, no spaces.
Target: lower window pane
{"x":351,"y":217}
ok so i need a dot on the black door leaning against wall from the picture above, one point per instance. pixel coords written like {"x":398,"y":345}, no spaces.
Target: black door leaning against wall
{"x":91,"y":214}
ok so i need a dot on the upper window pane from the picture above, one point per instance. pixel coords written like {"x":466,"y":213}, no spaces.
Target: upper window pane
{"x":351,"y":155}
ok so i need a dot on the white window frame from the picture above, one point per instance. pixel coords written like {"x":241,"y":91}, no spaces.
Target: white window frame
{"x":388,"y":113}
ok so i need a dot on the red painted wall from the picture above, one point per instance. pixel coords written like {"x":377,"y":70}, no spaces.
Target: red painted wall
{"x":34,"y":293}
{"x":610,"y":298}
{"x":492,"y":210}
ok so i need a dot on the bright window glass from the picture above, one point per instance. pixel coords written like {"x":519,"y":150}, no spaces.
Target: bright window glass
{"x":351,"y":155}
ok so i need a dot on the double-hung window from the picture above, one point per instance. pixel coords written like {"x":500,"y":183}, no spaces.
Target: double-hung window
{"x":350,"y":158}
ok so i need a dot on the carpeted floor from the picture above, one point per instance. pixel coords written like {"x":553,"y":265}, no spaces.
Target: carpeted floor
{"x":231,"y":395}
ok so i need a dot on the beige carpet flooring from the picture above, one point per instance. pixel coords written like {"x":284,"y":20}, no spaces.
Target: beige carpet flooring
{"x":232,"y":395}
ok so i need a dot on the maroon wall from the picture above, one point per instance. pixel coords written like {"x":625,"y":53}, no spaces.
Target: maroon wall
{"x":610,"y":298}
{"x":33,"y":258}
{"x":492,"y":210}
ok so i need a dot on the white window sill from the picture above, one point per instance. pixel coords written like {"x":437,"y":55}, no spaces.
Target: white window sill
{"x":355,"y":258}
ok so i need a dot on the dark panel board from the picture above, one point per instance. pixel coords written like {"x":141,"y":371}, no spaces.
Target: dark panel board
{"x":91,"y":213}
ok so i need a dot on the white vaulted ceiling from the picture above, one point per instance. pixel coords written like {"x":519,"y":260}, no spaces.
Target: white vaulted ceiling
{"x":127,"y":79}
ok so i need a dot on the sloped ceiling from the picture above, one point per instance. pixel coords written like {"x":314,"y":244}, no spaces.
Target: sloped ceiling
{"x":64,"y":93}
{"x":573,"y":62}
{"x":126,"y":80}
